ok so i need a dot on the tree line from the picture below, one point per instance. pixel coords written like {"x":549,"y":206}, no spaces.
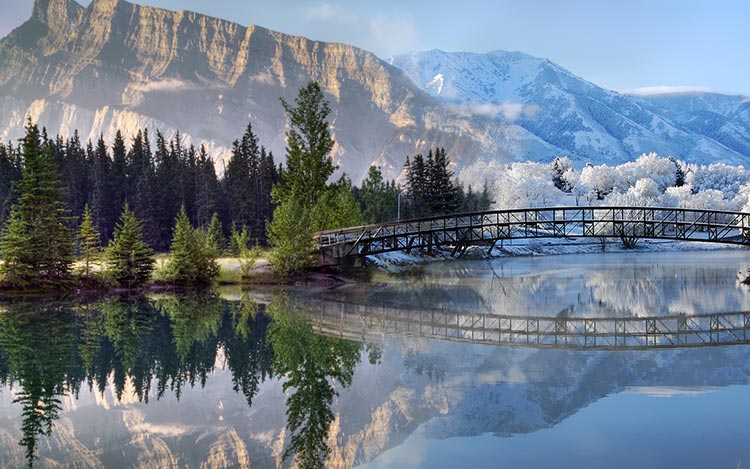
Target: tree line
{"x":56,"y":193}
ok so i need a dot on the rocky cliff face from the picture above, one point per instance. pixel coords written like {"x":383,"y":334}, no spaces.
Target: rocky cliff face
{"x":119,"y":65}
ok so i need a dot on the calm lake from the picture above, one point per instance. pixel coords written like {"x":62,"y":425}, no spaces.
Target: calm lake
{"x":599,"y":360}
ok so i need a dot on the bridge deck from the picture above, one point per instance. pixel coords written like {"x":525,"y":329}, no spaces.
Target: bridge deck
{"x":486,"y":228}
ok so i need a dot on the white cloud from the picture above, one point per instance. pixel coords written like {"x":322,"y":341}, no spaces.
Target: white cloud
{"x":666,"y":391}
{"x":169,"y":84}
{"x":327,"y":12}
{"x":509,"y":111}
{"x":385,"y":34}
{"x":664,"y":89}
{"x":392,"y":35}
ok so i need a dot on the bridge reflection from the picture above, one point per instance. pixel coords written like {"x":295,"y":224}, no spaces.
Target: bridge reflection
{"x":368,"y":323}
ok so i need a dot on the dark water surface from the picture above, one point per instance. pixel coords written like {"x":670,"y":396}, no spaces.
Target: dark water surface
{"x":244,"y":380}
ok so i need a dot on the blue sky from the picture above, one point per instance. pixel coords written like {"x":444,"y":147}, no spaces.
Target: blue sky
{"x":616,"y":44}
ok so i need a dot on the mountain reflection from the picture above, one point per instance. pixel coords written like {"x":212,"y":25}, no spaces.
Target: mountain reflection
{"x":48,"y":350}
{"x":200,"y":381}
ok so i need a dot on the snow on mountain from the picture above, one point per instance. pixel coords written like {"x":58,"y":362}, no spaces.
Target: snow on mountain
{"x":578,"y":118}
{"x":117,"y":65}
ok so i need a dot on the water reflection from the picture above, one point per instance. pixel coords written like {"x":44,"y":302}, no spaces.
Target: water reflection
{"x":183,"y":380}
{"x":50,"y":350}
{"x":592,"y":285}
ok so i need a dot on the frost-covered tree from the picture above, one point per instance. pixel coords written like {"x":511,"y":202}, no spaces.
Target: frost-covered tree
{"x":526,"y":185}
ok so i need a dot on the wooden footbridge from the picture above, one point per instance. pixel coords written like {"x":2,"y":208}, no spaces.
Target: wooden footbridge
{"x":371,"y":323}
{"x":458,"y":232}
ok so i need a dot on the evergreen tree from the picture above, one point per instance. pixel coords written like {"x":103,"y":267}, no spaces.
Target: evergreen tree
{"x":442,"y":190}
{"x":679,"y":177}
{"x":215,"y":234}
{"x":129,"y":260}
{"x":102,"y":200}
{"x":36,"y":245}
{"x":192,"y":256}
{"x":10,"y":172}
{"x":76,"y":175}
{"x":118,"y":176}
{"x":89,"y":241}
{"x":378,"y":198}
{"x":208,"y":197}
{"x":431,"y":189}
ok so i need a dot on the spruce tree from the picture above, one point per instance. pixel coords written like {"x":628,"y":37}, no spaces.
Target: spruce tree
{"x":192,"y":255}
{"x":89,"y":241}
{"x":378,"y":198}
{"x":37,"y":246}
{"x":129,"y":260}
{"x":10,"y":172}
{"x":215,"y":234}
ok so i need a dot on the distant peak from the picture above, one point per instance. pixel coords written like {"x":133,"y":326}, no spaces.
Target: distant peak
{"x":56,"y":13}
{"x":104,"y":5}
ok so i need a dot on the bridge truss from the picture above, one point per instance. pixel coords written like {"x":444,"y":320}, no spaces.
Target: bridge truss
{"x":457,"y":232}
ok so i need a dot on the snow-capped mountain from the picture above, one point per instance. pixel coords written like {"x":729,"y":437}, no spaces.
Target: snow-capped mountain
{"x":117,"y":65}
{"x":579,"y":118}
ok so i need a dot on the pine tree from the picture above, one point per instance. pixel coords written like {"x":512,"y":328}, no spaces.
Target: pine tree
{"x":208,"y":197}
{"x":37,"y":246}
{"x":129,"y":260}
{"x":378,"y":198}
{"x":102,"y":200}
{"x":89,"y":241}
{"x":118,"y":174}
{"x":215,"y":234}
{"x":10,"y":172}
{"x":192,"y":255}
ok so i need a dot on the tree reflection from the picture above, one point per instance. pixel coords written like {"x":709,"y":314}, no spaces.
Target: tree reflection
{"x":311,"y":363}
{"x":39,"y":350}
{"x":159,"y":345}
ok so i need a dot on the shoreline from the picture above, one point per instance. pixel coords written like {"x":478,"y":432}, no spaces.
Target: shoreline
{"x":263,"y":277}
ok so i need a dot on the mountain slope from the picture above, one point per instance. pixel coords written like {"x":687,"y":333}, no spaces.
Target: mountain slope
{"x":577,"y":117}
{"x":119,"y":65}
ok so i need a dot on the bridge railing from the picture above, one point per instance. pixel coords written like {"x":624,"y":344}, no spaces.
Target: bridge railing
{"x":597,"y":221}
{"x":364,"y":322}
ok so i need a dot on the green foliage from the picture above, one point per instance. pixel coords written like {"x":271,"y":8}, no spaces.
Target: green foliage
{"x":337,"y":207}
{"x":431,"y":189}
{"x":192,"y":256}
{"x":309,"y":144}
{"x":379,"y":199}
{"x":129,"y":261}
{"x":36,"y":245}
{"x":290,"y":234}
{"x":89,"y":244}
{"x":10,"y":172}
{"x":248,"y":179}
{"x":304,"y":200}
{"x":45,"y":369}
{"x":239,"y":240}
{"x":215,"y":233}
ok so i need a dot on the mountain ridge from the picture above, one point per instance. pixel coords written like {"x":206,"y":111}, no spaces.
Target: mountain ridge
{"x":117,"y":65}
{"x":583,"y":120}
